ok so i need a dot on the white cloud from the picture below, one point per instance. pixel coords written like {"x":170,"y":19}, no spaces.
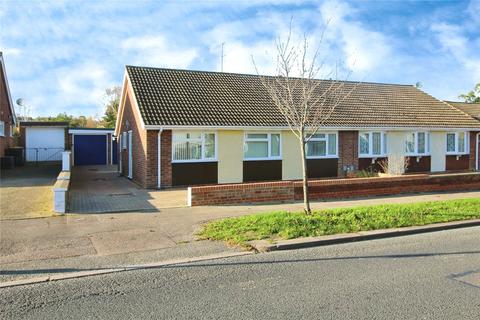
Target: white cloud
{"x":364,"y":50}
{"x":156,"y":51}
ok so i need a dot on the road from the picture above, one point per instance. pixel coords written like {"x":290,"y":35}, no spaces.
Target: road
{"x":429,"y":276}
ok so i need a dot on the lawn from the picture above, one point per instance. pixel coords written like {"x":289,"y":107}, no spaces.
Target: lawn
{"x":290,"y":225}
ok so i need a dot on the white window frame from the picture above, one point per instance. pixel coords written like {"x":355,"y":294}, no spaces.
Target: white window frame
{"x":327,"y":146}
{"x":466,"y":141}
{"x":415,"y":153}
{"x":11,"y":130}
{"x":2,"y":128}
{"x":370,"y":154}
{"x":269,"y":145}
{"x":202,"y":159}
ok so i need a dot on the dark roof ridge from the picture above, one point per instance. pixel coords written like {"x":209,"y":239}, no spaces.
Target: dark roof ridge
{"x":262,"y":75}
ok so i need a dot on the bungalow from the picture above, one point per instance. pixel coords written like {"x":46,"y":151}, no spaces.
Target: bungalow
{"x":7,"y":111}
{"x":183,"y":127}
{"x":473,"y":109}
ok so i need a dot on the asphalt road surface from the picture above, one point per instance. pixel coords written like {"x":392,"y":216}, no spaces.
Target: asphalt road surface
{"x":429,"y":276}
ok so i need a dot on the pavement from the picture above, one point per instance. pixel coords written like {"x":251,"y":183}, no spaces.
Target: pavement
{"x":74,"y":242}
{"x":426,"y":276}
{"x":26,"y":192}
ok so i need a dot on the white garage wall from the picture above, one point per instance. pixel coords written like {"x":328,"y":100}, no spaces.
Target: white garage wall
{"x":44,"y":143}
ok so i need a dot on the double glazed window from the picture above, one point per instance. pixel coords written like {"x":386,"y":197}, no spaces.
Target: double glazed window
{"x":417,"y":143}
{"x":261,"y":146}
{"x":457,"y":143}
{"x":193,"y":146}
{"x":322,"y":145}
{"x":372,"y":144}
{"x":2,"y":129}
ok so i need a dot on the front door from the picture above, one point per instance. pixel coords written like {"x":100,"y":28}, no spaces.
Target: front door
{"x":130,"y":156}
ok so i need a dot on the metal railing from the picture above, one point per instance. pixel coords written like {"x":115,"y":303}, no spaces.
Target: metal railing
{"x":43,"y":154}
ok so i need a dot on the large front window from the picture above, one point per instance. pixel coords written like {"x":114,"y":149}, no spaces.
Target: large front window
{"x":193,"y":146}
{"x":457,"y":143}
{"x":261,"y":146}
{"x":372,"y":144}
{"x":417,"y":143}
{"x":322,"y":145}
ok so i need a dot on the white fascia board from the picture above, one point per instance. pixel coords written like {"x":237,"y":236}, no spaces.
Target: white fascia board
{"x":135,"y":102}
{"x":12,"y":109}
{"x":121,"y":104}
{"x":90,"y":132}
{"x":167,"y":127}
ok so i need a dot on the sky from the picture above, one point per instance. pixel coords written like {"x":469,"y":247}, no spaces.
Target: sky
{"x":60,"y":56}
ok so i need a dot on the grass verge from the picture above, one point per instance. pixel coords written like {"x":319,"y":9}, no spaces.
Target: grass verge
{"x":290,"y":225}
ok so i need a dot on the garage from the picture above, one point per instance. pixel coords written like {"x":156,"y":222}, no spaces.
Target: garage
{"x":92,"y":146}
{"x":44,"y":142}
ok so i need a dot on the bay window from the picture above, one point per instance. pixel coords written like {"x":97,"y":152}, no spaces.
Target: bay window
{"x":372,"y":144}
{"x":457,"y":143}
{"x":322,"y":145}
{"x":195,"y":146}
{"x":262,"y":146}
{"x":417,"y":143}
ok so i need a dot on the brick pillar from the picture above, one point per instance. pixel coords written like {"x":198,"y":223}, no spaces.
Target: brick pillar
{"x":166,"y":158}
{"x":151,"y":166}
{"x":347,"y":150}
{"x":473,"y":150}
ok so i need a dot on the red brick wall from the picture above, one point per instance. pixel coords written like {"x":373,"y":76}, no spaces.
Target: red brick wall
{"x":331,"y":188}
{"x":242,"y":193}
{"x":5,"y":116}
{"x":347,"y":150}
{"x":131,"y":121}
{"x":166,"y":159}
{"x":473,"y":150}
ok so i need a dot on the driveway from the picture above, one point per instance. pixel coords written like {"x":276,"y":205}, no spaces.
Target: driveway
{"x":26,"y":192}
{"x":100,"y":189}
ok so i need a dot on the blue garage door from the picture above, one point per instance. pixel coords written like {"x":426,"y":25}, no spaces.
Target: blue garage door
{"x":90,"y":149}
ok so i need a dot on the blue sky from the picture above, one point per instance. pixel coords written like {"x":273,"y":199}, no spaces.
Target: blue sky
{"x":61,"y":55}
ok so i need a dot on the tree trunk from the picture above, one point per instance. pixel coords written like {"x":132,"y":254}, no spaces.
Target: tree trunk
{"x":306,"y":198}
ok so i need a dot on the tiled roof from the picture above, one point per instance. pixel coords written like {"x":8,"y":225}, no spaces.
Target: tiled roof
{"x":172,"y":97}
{"x":472,"y":109}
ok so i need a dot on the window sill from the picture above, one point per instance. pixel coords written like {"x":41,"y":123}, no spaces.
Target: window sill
{"x":261,"y":159}
{"x":369,"y":156}
{"x":194,"y":161}
{"x":322,"y":157}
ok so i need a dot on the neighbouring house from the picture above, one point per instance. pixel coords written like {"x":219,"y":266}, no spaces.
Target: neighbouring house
{"x":472,"y":109}
{"x":183,"y":127}
{"x":43,"y":141}
{"x":7,"y":111}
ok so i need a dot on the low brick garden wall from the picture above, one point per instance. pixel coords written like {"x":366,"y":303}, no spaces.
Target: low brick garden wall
{"x":289,"y":191}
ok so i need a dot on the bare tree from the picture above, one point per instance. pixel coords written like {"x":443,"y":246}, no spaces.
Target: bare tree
{"x":305,"y":102}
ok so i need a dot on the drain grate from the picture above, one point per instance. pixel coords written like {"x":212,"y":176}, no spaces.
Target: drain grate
{"x":120,"y":194}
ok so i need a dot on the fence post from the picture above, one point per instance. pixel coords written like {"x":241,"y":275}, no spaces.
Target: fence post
{"x":66,"y":160}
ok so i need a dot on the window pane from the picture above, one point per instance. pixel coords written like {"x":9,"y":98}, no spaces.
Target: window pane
{"x":209,"y":146}
{"x":318,"y":136}
{"x":187,"y":150}
{"x":410,"y":143}
{"x":376,"y":143}
{"x":275,"y":145}
{"x":332,"y":144}
{"x":316,"y":148}
{"x":461,"y":142}
{"x":257,"y":136}
{"x":364,"y":143}
{"x":421,"y":142}
{"x":385,"y":151}
{"x":256,"y":149}
{"x":450,"y":142}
